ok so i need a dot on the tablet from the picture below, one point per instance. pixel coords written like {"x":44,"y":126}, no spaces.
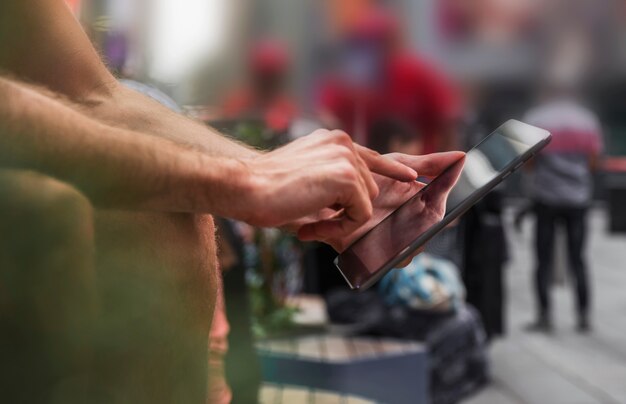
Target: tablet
{"x":439,"y":203}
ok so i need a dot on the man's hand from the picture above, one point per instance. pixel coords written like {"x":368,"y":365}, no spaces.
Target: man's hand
{"x":324,"y":170}
{"x":392,"y":194}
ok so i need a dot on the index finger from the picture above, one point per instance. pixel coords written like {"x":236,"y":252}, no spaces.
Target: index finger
{"x":386,"y":166}
{"x":429,"y":165}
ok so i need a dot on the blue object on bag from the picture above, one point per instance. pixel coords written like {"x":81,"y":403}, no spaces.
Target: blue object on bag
{"x":428,"y":283}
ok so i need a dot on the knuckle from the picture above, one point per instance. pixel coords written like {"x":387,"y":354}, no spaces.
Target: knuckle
{"x":345,"y":153}
{"x":341,"y":154}
{"x":347,"y":172}
{"x":341,"y":137}
{"x":321,"y":132}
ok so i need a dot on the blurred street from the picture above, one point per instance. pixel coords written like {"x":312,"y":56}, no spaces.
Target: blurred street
{"x":564,"y":368}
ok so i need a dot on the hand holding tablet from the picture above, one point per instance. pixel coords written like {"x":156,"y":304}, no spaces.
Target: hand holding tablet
{"x":429,"y":209}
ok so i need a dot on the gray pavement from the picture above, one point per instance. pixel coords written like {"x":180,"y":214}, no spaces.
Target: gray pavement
{"x":563,"y":368}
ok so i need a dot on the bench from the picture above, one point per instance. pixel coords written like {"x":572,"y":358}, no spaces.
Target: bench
{"x":383,"y":370}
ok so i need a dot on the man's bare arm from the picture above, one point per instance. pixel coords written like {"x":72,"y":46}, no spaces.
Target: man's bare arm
{"x":129,"y":109}
{"x":113,"y":167}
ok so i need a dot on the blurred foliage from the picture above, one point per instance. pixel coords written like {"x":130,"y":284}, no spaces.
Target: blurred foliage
{"x":273,"y":273}
{"x":256,"y":134}
{"x":272,"y":257}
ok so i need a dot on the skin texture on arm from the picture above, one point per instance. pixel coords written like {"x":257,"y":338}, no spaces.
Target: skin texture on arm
{"x":126,"y":108}
{"x":113,"y":167}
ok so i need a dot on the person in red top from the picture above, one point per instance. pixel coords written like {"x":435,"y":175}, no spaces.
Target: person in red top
{"x":265,"y":97}
{"x":378,"y":80}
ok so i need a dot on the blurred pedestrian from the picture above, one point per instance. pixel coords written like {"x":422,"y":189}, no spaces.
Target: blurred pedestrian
{"x":395,"y":136}
{"x":562,"y":192}
{"x":265,"y":95}
{"x":378,"y":79}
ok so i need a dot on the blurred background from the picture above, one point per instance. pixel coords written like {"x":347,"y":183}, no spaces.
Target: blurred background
{"x":522,"y":301}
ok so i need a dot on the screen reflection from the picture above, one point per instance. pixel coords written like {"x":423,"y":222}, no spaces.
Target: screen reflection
{"x":399,"y":229}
